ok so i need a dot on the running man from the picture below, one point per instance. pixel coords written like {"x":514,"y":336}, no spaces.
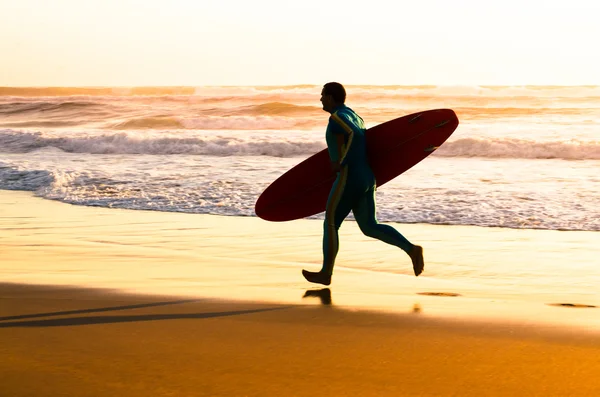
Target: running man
{"x":354,"y":187}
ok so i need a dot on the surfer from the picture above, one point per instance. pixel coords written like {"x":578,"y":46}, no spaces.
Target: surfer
{"x":354,"y":186}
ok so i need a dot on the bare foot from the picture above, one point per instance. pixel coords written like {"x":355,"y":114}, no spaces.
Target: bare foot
{"x":317,"y":277}
{"x":416,"y":255}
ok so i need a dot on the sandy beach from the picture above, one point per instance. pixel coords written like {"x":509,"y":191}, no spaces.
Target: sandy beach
{"x":97,"y":302}
{"x":80,"y":342}
{"x":137,"y":138}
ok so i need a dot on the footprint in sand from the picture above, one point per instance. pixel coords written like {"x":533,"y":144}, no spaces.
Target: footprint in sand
{"x":438,"y":293}
{"x":576,"y":305}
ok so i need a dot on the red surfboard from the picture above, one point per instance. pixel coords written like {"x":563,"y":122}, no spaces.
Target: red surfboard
{"x":392,"y":148}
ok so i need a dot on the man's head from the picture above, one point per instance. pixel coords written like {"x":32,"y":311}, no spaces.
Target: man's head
{"x":332,"y":95}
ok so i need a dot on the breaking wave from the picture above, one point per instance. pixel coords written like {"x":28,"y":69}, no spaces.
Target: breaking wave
{"x":154,"y":144}
{"x":520,"y":149}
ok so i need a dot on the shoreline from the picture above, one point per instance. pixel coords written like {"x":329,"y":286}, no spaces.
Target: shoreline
{"x":247,"y":259}
{"x":97,"y":302}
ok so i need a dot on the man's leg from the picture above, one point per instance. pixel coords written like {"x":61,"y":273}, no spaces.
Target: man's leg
{"x":338,"y":207}
{"x":365,"y":214}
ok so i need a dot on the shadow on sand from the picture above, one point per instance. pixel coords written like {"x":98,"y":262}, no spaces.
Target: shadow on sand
{"x":91,"y":320}
{"x":323,"y":294}
{"x":96,"y":310}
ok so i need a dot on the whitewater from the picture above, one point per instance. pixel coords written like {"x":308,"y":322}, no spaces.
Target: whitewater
{"x":522,"y":157}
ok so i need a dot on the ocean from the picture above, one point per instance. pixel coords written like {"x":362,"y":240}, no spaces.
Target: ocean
{"x":522,"y":157}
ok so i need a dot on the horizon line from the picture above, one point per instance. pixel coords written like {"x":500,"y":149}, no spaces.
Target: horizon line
{"x":287,"y":85}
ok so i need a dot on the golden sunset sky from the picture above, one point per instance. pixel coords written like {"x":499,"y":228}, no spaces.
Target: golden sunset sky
{"x":274,"y":42}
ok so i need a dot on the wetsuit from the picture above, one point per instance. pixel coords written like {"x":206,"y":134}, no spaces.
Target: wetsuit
{"x":354,"y":187}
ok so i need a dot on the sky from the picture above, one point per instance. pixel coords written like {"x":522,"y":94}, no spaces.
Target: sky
{"x":281,"y":42}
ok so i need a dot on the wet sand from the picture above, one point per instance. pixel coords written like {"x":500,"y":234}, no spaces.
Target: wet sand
{"x":97,"y":302}
{"x":79,"y":342}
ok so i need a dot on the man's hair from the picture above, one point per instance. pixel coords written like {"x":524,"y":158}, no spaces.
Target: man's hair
{"x":336,"y":90}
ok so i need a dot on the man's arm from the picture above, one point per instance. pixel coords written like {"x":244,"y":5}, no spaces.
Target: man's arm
{"x":335,"y":144}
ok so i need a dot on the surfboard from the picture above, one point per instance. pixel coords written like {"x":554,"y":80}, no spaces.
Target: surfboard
{"x":393,"y":148}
